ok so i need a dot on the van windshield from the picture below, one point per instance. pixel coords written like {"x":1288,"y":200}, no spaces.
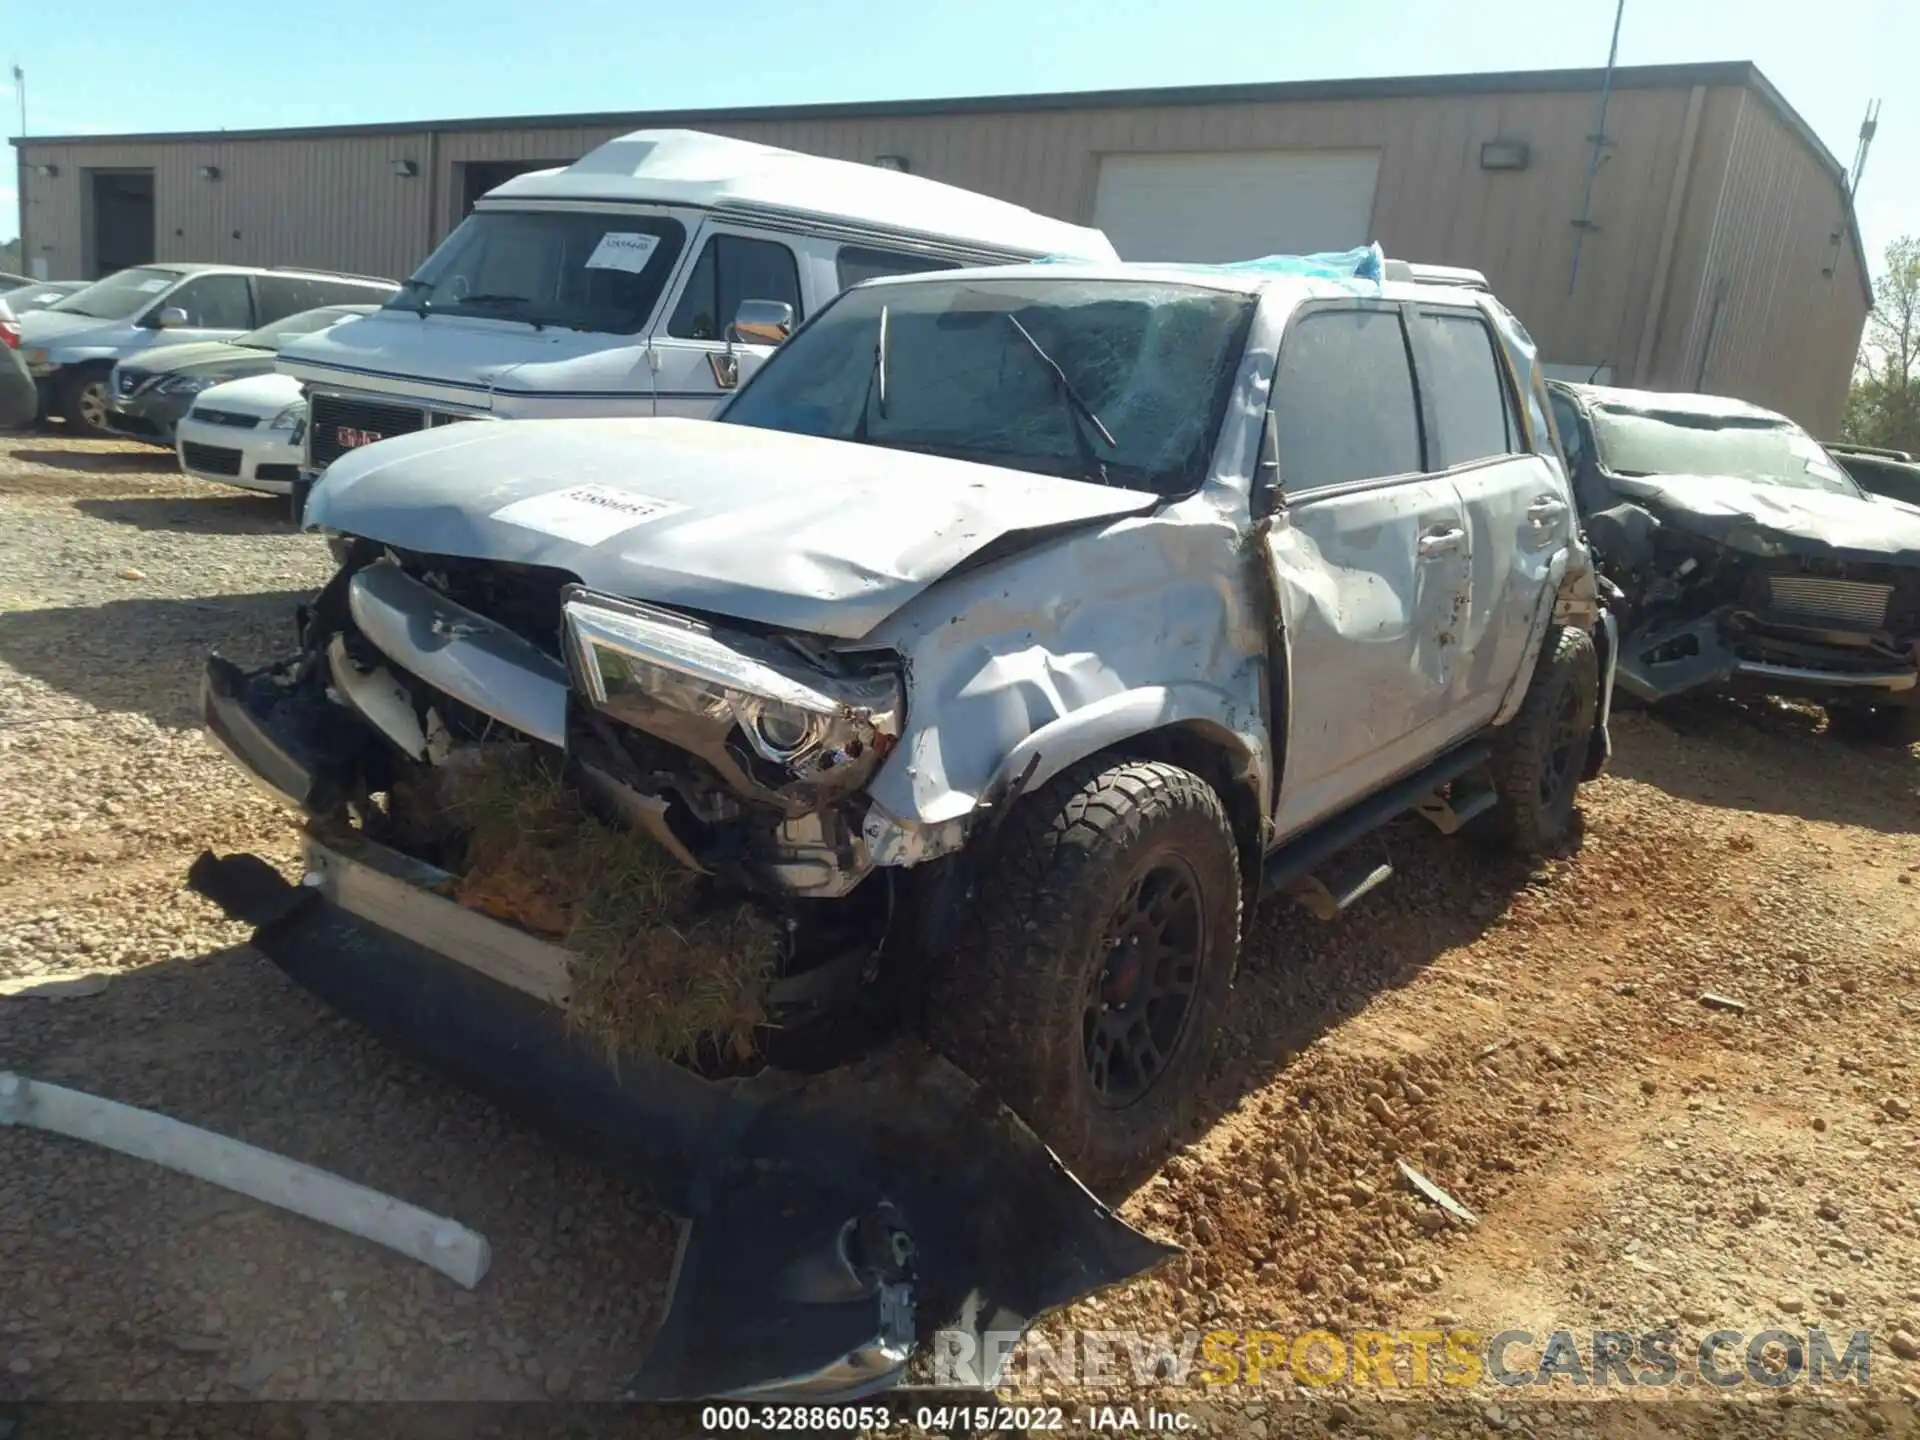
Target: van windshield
{"x":575,"y":269}
{"x":119,"y":295}
{"x":1117,"y":382}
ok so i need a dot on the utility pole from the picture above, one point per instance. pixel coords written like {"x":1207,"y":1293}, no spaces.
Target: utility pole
{"x":20,"y":166}
{"x":1600,"y":142}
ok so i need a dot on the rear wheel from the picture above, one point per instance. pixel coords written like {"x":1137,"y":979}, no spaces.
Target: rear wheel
{"x":1896,"y":725}
{"x":83,"y":402}
{"x":1089,"y":983}
{"x":1538,"y":756}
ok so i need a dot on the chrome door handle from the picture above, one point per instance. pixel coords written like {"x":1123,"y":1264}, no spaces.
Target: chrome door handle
{"x":1440,"y":542}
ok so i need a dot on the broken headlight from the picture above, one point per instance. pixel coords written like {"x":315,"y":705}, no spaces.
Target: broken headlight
{"x":805,"y":729}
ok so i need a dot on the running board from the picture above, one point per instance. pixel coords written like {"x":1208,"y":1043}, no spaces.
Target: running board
{"x":1326,"y":896}
{"x":1299,"y":857}
{"x":1466,"y":799}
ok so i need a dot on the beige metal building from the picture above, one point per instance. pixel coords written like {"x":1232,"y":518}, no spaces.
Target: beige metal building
{"x":1715,"y":250}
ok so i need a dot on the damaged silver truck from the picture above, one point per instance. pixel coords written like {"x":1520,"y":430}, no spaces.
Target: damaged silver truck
{"x":1746,"y":558}
{"x":966,"y":680}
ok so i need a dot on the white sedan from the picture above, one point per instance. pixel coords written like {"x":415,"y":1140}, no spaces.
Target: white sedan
{"x":245,"y":432}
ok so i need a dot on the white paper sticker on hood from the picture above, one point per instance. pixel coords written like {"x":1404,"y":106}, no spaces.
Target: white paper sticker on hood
{"x":623,"y":250}
{"x":585,"y":514}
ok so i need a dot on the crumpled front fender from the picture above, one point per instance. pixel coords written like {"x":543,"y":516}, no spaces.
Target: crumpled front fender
{"x":833,"y":1221}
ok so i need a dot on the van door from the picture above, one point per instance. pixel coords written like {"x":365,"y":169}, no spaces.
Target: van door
{"x":1369,"y":553}
{"x":695,"y":365}
{"x":1517,"y":515}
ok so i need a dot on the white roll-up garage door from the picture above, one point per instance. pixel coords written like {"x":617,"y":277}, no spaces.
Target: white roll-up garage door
{"x":1236,"y":205}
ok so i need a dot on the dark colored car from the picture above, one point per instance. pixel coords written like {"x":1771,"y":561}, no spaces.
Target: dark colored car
{"x":1892,"y":473}
{"x":1746,"y":558}
{"x":147,"y":397}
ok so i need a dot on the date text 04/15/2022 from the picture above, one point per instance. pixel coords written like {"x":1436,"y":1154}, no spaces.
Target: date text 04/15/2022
{"x":935,"y":1419}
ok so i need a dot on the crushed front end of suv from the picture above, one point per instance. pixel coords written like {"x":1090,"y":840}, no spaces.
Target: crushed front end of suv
{"x":1747,"y":558}
{"x":838,"y":817}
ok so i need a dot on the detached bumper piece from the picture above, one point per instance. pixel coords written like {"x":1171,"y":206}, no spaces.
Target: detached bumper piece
{"x":831,"y":1222}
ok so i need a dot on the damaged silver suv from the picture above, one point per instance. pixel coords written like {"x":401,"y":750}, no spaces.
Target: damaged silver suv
{"x":1008,"y":634}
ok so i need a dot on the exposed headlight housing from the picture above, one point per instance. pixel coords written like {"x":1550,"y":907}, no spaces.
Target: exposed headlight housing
{"x":289,"y":418}
{"x":36,"y":359}
{"x":776,"y":726}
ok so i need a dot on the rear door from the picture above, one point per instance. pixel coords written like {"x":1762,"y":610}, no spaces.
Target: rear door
{"x":1369,"y":553}
{"x":1517,"y":516}
{"x":696,"y":366}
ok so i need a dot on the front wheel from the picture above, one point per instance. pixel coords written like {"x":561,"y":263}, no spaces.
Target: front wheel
{"x":1538,"y":756}
{"x":1088,"y":985}
{"x":83,"y":403}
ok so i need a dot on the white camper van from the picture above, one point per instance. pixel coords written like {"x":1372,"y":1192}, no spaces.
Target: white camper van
{"x":649,"y":277}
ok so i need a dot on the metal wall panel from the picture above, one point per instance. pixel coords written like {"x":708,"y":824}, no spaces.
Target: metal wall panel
{"x":1755,"y":313}
{"x":334,"y":204}
{"x":1753,"y":202}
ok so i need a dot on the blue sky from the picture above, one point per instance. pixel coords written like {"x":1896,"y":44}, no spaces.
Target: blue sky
{"x":222,"y":63}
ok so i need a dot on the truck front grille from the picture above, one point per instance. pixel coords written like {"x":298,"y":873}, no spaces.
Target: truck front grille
{"x":1855,"y":604}
{"x":337,"y":424}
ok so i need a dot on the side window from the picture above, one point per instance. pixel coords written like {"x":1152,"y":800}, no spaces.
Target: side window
{"x":1472,"y":409}
{"x":1343,"y":403}
{"x":1567,"y":422}
{"x":855,"y":263}
{"x":730,"y":269}
{"x":215,"y":302}
{"x":344,"y":292}
{"x":283,"y":295}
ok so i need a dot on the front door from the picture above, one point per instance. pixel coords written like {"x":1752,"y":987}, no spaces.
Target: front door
{"x":696,"y":366}
{"x":1370,"y":555}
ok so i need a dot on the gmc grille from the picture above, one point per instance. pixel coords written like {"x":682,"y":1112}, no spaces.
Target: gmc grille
{"x":336,"y":424}
{"x":1856,"y":604}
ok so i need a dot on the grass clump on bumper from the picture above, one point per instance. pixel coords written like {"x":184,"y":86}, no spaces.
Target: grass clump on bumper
{"x":660,"y":967}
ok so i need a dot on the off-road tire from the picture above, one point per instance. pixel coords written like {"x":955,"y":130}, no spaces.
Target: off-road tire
{"x":75,"y":404}
{"x":1010,"y":1003}
{"x":1895,"y":725}
{"x":1533,"y":772}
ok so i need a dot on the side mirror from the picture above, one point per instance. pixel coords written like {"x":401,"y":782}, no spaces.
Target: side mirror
{"x":172,"y":318}
{"x":762,"y":322}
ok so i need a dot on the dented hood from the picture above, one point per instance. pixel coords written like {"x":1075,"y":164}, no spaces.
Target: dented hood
{"x":1763,"y":519}
{"x":812,"y":535}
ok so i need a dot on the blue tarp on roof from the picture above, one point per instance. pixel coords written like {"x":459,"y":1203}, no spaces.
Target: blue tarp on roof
{"x":1365,"y":263}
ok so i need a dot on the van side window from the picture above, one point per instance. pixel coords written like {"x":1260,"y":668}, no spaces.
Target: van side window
{"x":214,"y":302}
{"x":284,"y":295}
{"x":1472,"y":409}
{"x":855,"y":263}
{"x":1343,"y":403}
{"x":730,"y":269}
{"x":345,"y":292}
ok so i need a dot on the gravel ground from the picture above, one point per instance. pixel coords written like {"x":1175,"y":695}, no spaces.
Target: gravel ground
{"x":1530,"y":1037}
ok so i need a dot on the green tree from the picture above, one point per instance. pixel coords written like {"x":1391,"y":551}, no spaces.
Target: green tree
{"x":1883,"y":405}
{"x":10,"y":257}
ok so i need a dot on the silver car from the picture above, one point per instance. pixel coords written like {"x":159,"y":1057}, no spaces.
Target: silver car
{"x":1008,"y":630}
{"x":72,"y":345}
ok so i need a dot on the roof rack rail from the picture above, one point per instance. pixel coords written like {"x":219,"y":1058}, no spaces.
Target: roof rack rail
{"x":1413,"y":273}
{"x":335,"y":274}
{"x":1841,"y":447}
